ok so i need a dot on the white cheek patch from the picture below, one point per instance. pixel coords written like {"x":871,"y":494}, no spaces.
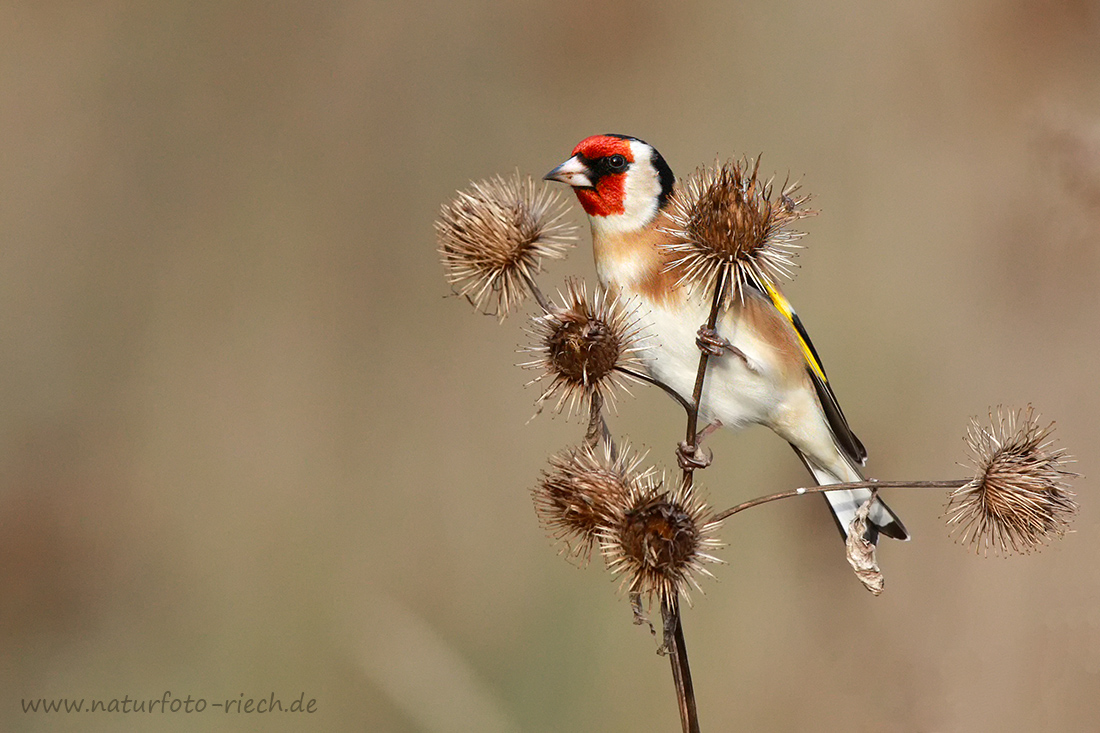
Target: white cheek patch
{"x":641,"y":192}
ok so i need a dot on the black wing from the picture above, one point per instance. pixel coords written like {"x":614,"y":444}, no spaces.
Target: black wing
{"x":845,"y":438}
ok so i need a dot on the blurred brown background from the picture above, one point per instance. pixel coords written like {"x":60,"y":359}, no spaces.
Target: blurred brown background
{"x":247,"y":445}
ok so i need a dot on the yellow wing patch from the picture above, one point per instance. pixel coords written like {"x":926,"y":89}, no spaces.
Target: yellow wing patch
{"x":785,"y":308}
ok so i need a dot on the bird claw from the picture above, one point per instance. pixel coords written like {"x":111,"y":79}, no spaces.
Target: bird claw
{"x":691,"y":458}
{"x":709,"y":342}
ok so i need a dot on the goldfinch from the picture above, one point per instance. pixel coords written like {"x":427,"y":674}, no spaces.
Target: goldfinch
{"x":770,"y":373}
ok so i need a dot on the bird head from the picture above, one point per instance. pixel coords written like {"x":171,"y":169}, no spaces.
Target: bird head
{"x":621,"y":181}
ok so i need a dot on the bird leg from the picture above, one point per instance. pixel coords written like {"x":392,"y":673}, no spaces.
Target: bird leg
{"x":694,"y":457}
{"x":702,"y":434}
{"x":710,"y":342}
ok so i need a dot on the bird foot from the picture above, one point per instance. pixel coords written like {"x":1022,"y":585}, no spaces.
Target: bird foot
{"x":691,"y":458}
{"x":709,"y":342}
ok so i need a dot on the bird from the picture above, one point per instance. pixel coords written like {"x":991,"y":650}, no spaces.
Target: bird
{"x":770,"y":373}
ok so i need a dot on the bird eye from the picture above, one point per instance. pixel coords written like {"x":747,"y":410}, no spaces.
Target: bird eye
{"x":616,"y":162}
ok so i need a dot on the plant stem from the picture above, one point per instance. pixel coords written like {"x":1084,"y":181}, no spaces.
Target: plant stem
{"x":641,"y":377}
{"x":954,"y":484}
{"x":597,"y":426}
{"x":681,"y":671}
{"x":670,"y":610}
{"x":700,"y":375}
{"x":536,"y":291}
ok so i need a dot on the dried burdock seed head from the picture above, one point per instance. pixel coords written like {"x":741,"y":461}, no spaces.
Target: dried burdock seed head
{"x":584,"y":345}
{"x":726,"y":216}
{"x":493,"y":236}
{"x":660,"y":540}
{"x":577,"y":496}
{"x":1018,"y":499}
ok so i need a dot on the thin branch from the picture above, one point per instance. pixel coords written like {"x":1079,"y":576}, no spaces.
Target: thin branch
{"x":838,"y":487}
{"x":642,"y":377}
{"x":536,"y":291}
{"x":674,"y":631}
{"x":681,"y":671}
{"x":700,"y":375}
{"x":597,"y":425}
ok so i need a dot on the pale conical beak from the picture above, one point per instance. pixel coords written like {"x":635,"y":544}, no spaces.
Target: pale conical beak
{"x":573,"y":171}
